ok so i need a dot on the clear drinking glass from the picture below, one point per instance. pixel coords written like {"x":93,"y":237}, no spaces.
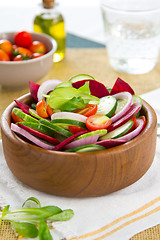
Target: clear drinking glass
{"x":132,"y":31}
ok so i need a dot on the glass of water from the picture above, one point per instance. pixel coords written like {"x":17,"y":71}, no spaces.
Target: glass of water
{"x":132,"y":31}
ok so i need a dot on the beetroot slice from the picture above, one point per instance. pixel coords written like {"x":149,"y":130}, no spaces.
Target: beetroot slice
{"x":97,"y":89}
{"x":68,"y":140}
{"x":39,"y":134}
{"x":108,"y":143}
{"x":25,"y":108}
{"x":34,"y":89}
{"x":121,"y":86}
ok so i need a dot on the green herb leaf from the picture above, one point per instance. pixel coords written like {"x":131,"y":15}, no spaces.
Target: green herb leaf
{"x":26,"y":229}
{"x":31,"y":202}
{"x":42,"y":213}
{"x":73,"y":104}
{"x":4,"y":212}
{"x":85,"y":88}
{"x":44,"y":233}
{"x":63,"y":216}
{"x":59,"y":98}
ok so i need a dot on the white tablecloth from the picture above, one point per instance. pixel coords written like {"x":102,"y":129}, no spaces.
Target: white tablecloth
{"x":117,"y":216}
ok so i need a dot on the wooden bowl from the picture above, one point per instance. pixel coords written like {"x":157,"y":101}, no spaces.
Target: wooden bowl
{"x":79,"y":174}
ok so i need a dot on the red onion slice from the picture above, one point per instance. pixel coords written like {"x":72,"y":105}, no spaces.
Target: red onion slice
{"x":138,"y":128}
{"x":46,"y":87}
{"x":68,"y":140}
{"x":83,"y":141}
{"x":134,"y":109}
{"x":122,"y":95}
{"x":30,"y":137}
{"x":69,"y":115}
{"x":108,"y":143}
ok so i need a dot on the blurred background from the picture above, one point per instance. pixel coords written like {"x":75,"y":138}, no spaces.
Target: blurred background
{"x":82,"y":18}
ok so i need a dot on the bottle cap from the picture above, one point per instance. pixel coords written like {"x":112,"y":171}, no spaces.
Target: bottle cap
{"x":48,"y":3}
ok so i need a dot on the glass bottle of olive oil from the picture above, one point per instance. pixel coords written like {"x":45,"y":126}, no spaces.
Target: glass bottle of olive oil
{"x":50,"y":21}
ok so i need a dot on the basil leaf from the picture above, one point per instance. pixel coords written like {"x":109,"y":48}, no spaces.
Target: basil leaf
{"x":31,"y":202}
{"x":44,"y":233}
{"x":73,"y":104}
{"x":63,"y":216}
{"x":26,"y":229}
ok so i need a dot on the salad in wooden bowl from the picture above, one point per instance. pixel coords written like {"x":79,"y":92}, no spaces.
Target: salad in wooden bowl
{"x":79,"y":138}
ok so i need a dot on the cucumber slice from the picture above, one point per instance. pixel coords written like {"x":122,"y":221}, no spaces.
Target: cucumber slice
{"x":109,"y":89}
{"x":80,"y":77}
{"x":107,"y":106}
{"x":137,"y":99}
{"x":34,"y":114}
{"x":25,"y":117}
{"x":56,"y":128}
{"x":40,"y":128}
{"x":101,"y":133}
{"x":120,"y":105}
{"x":87,"y":148}
{"x":118,"y":132}
{"x":33,"y":105}
{"x":68,"y":122}
{"x":64,"y":84}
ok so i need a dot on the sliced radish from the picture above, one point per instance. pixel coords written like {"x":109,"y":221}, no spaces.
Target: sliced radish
{"x":25,"y":108}
{"x":121,"y":86}
{"x":34,"y":89}
{"x":46,"y":87}
{"x":69,"y":115}
{"x":97,"y":89}
{"x":82,"y":141}
{"x":30,"y":137}
{"x":128,"y":97}
{"x":39,"y":134}
{"x":68,"y":140}
{"x":133,"y":110}
{"x":108,"y":143}
{"x":138,"y":128}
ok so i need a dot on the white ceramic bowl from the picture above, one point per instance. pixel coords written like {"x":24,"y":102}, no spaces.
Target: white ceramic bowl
{"x":16,"y":75}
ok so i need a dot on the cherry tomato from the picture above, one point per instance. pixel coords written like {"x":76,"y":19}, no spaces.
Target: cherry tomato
{"x":18,"y":58}
{"x":4,"y":56}
{"x":98,"y":121}
{"x":15,"y":118}
{"x":36,"y":55}
{"x":6,"y":46}
{"x":41,"y":108}
{"x":49,"y":110}
{"x":23,"y":39}
{"x":38,"y":47}
{"x":22,"y":51}
{"x":88,"y":110}
{"x":75,"y":129}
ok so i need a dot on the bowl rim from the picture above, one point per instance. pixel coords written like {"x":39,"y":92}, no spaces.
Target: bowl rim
{"x":52,"y":51}
{"x":6,"y":120}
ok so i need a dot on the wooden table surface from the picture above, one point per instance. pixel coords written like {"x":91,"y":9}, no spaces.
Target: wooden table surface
{"x":93,"y":61}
